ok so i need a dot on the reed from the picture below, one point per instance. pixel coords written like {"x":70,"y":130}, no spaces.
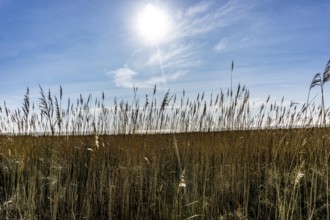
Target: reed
{"x":212,"y":157}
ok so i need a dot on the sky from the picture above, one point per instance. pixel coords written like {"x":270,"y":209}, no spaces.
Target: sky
{"x":86,"y":46}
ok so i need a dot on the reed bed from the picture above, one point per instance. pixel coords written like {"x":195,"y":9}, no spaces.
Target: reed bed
{"x":223,"y":111}
{"x":218,"y":156}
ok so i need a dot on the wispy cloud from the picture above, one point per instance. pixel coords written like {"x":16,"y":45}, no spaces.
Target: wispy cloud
{"x":176,"y":55}
{"x":211,"y":15}
{"x":199,"y":8}
{"x":125,"y":77}
{"x":183,"y":52}
{"x":160,"y":66}
{"x":162,"y":80}
{"x":222,"y":45}
{"x":232,"y":43}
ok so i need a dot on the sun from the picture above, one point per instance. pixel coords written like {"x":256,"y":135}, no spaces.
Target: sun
{"x":153,"y":24}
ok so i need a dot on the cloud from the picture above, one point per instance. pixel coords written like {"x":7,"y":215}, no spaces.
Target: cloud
{"x":222,"y":44}
{"x":176,"y":75}
{"x":208,"y":16}
{"x":123,"y":77}
{"x":126,"y":77}
{"x":162,"y":80}
{"x":199,"y":8}
{"x":232,"y":43}
{"x":175,"y":52}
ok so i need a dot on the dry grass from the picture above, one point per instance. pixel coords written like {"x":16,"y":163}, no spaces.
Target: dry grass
{"x":222,"y":111}
{"x":266,"y":174}
{"x":216,"y":157}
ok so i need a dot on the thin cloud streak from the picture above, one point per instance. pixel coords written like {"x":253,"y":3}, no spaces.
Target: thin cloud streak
{"x":206,"y":21}
{"x":232,"y":43}
{"x":177,"y":52}
{"x":222,"y":45}
{"x":199,"y":8}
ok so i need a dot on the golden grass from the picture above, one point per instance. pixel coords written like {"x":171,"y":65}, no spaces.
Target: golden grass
{"x":256,"y":174}
{"x":221,"y":158}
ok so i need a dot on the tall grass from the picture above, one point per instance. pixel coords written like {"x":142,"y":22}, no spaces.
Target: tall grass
{"x":256,"y":174}
{"x":211,"y":157}
{"x":319,"y":80}
{"x":221,"y":111}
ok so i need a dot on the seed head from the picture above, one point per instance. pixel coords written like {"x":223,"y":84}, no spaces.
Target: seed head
{"x":298,"y":178}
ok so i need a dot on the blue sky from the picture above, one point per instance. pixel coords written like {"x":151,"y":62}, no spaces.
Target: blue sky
{"x":92,"y":46}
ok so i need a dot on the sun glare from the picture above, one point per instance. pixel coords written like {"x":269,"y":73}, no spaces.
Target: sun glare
{"x":153,"y":24}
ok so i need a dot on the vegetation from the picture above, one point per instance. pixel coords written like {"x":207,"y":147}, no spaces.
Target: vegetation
{"x":220,"y":157}
{"x":268,"y":174}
